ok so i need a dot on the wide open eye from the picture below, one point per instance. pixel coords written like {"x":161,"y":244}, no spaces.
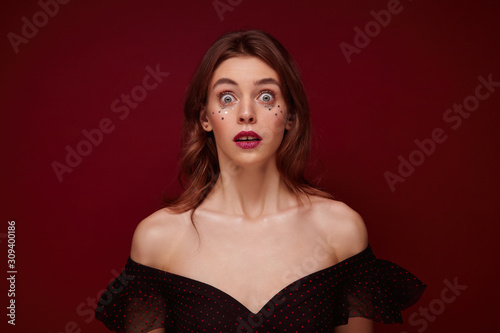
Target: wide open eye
{"x":267,"y":97}
{"x":226,"y":98}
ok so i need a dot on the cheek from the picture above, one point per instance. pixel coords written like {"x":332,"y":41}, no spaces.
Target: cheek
{"x":278,"y":113}
{"x":277,"y":118}
{"x":220,"y":113}
{"x":222,"y":123}
{"x":275,"y":125}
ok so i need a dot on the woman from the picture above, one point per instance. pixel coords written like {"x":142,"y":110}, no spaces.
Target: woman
{"x":251,"y":246}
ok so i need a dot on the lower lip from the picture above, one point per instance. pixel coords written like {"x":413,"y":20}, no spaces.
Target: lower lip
{"x":247,"y":144}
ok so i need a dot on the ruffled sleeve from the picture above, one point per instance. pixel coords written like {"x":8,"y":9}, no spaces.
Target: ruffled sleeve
{"x":377,"y":289}
{"x":135,"y":301}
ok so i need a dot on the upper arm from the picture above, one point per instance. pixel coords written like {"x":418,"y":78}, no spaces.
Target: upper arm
{"x":152,"y":241}
{"x":345,"y":229}
{"x":356,"y":325}
{"x":353,"y":232}
{"x":158,"y":330}
{"x":349,"y":236}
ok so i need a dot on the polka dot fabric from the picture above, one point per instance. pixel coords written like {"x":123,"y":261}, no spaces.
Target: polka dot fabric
{"x":144,"y":298}
{"x":135,"y":301}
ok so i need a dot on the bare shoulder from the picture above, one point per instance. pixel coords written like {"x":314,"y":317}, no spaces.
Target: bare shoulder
{"x":343,"y":227}
{"x":156,"y":236}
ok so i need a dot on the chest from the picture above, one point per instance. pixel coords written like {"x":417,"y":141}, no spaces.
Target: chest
{"x":252,"y":263}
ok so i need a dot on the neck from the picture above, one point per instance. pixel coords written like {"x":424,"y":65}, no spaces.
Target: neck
{"x":250,"y":191}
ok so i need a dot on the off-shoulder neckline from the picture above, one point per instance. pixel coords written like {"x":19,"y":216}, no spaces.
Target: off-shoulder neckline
{"x":365,"y":252}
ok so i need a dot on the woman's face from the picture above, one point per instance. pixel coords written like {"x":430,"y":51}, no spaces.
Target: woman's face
{"x":246,"y":111}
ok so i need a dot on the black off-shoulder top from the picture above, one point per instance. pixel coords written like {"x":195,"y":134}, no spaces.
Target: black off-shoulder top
{"x":143,"y":298}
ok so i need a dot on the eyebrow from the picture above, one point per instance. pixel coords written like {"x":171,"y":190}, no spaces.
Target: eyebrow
{"x":225,"y":80}
{"x":267,"y":81}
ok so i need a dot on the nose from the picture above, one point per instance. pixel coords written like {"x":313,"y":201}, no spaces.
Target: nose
{"x":246,"y":113}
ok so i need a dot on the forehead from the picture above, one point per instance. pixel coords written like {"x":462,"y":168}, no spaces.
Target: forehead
{"x":244,"y":69}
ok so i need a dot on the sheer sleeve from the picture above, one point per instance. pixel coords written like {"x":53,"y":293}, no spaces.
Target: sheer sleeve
{"x":135,"y":301}
{"x":379,"y":290}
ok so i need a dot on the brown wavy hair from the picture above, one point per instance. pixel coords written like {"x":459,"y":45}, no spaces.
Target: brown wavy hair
{"x":199,"y":165}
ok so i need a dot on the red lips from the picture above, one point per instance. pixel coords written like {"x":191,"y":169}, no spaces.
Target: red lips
{"x":247,"y":136}
{"x":247,"y":139}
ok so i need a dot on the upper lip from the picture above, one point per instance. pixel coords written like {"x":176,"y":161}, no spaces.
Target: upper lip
{"x":245,"y":134}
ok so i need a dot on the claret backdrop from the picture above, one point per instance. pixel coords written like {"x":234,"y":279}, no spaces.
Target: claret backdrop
{"x":404,"y":98}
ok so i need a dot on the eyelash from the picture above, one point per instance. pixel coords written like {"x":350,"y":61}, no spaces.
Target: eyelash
{"x":224,"y":93}
{"x":270,"y":92}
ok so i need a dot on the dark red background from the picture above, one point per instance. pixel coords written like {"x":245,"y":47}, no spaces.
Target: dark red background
{"x":73,"y":235}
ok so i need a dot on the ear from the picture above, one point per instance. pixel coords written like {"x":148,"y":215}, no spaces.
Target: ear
{"x":289,"y":122}
{"x":204,"y":121}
